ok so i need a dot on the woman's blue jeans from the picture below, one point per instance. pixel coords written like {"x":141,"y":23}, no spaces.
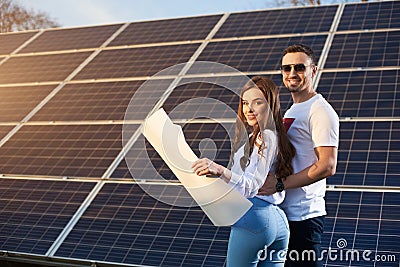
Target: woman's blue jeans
{"x":260,"y":237}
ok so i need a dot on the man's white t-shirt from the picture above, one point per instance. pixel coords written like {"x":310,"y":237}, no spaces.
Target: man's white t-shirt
{"x":310,"y":124}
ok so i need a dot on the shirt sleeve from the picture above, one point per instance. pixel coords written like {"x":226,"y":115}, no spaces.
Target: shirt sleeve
{"x":324,"y":123}
{"x":249,"y":182}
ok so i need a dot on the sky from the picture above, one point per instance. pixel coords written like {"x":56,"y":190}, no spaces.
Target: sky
{"x":71,"y":13}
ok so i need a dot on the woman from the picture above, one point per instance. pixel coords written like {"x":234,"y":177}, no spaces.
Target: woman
{"x":260,"y":237}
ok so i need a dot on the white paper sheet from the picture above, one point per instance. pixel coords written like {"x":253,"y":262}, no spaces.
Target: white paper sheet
{"x":221,"y":203}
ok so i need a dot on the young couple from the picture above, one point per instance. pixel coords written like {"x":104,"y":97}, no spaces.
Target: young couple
{"x":283,"y":162}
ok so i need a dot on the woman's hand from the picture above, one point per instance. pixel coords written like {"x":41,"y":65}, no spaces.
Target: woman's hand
{"x":205,"y":166}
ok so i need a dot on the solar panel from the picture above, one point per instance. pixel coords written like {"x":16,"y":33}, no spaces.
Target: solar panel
{"x":34,"y":212}
{"x":42,"y":68}
{"x":100,"y":101}
{"x":17,"y":102}
{"x":11,"y":41}
{"x":218,"y":97}
{"x":68,"y":39}
{"x":256,"y":55}
{"x":145,"y":163}
{"x":126,"y":226}
{"x":215,"y":98}
{"x":362,"y":93}
{"x":280,"y":21}
{"x":196,"y":28}
{"x":145,"y":61}
{"x":369,"y":16}
{"x":61,"y":150}
{"x":368,"y":154}
{"x":110,"y":234}
{"x":187,"y":101}
{"x":363,"y":50}
{"x":360,"y":222}
{"x":225,"y":89}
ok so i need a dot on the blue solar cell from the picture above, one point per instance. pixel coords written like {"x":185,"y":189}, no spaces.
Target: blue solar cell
{"x":365,"y":242}
{"x":370,"y":227}
{"x":348,"y":211}
{"x":389,"y":242}
{"x":387,"y":226}
{"x":389,"y":213}
{"x":358,"y":156}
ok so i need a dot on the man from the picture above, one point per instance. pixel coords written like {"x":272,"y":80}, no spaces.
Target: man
{"x":313,"y":128}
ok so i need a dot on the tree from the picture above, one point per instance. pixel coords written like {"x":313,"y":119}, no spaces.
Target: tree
{"x":288,"y":3}
{"x":14,"y":17}
{"x":314,"y":2}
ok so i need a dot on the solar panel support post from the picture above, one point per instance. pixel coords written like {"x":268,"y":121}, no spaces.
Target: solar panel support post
{"x":75,"y":218}
{"x":57,"y":243}
{"x":328,"y":43}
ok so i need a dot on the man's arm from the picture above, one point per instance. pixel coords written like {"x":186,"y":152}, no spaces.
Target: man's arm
{"x":323,"y":168}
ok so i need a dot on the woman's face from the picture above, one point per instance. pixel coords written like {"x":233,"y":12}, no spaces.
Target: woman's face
{"x":254,"y":107}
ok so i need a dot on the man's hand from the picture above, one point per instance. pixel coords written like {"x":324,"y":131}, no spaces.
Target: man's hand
{"x":269,"y":186}
{"x":324,"y":167}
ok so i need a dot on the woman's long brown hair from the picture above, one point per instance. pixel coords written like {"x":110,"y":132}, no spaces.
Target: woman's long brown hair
{"x":286,"y":151}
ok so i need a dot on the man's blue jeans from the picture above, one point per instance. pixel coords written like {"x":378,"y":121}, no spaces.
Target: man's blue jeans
{"x":260,"y":237}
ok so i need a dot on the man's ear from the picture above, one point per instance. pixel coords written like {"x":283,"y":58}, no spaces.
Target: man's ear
{"x":314,"y":70}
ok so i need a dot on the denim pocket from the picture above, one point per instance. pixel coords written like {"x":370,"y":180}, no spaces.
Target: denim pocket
{"x":256,"y":220}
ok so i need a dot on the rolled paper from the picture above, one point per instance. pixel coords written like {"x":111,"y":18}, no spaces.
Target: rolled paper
{"x":222,"y":204}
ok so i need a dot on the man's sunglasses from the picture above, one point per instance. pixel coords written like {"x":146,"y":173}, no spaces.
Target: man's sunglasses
{"x":297,"y":67}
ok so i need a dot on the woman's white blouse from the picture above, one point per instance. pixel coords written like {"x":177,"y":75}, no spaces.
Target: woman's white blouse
{"x":248,"y":182}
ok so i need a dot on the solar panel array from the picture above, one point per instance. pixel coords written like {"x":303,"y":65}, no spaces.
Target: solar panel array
{"x":66,"y":190}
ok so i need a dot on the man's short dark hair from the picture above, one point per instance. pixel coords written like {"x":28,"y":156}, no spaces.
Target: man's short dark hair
{"x":300,"y":48}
